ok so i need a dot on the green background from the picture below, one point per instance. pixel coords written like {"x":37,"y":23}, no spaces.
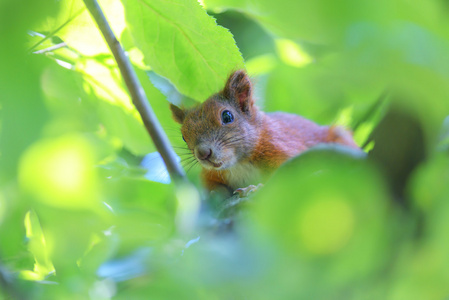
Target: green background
{"x":79,"y":220}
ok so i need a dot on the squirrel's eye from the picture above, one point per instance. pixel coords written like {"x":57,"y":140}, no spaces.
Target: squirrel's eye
{"x":184,"y":139}
{"x":227,"y":117}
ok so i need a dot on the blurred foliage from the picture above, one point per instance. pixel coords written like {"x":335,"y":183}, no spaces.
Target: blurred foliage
{"x":80,"y":219}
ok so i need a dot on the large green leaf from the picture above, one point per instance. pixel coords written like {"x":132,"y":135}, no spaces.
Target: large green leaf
{"x":329,"y":209}
{"x":182,"y":43}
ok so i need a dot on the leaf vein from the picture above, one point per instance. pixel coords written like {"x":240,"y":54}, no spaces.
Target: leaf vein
{"x":185,"y":35}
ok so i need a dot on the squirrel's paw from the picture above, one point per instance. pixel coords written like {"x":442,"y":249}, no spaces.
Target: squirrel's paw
{"x":246,"y":191}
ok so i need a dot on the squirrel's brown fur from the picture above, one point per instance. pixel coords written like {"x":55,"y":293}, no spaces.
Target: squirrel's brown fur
{"x":242,"y":152}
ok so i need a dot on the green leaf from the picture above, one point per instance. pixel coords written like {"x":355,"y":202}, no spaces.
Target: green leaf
{"x":327,"y":21}
{"x":316,"y":21}
{"x":143,"y":210}
{"x":92,"y":97}
{"x":74,"y":25}
{"x":421,"y":271}
{"x":126,"y":127}
{"x":37,"y":246}
{"x":182,"y":43}
{"x":322,"y":208}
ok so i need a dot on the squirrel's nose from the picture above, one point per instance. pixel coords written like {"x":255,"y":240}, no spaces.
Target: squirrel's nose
{"x":203,"y":153}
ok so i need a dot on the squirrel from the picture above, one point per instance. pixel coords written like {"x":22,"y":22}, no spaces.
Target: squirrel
{"x":238,"y":145}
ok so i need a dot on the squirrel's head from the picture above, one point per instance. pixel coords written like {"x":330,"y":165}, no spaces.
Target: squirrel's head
{"x":221,"y":131}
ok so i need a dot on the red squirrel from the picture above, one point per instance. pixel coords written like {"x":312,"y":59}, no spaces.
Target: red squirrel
{"x":238,"y":145}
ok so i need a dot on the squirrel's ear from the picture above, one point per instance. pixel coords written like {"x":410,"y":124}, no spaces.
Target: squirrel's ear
{"x":238,"y":88}
{"x":178,"y":113}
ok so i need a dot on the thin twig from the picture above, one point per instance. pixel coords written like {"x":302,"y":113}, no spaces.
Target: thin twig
{"x":52,"y":48}
{"x":137,"y":93}
{"x":51,"y":34}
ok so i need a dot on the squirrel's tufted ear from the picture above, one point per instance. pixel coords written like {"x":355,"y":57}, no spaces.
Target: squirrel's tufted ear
{"x":238,"y":88}
{"x":177,"y":113}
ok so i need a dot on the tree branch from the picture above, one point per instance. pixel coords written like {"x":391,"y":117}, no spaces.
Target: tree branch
{"x":137,"y":93}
